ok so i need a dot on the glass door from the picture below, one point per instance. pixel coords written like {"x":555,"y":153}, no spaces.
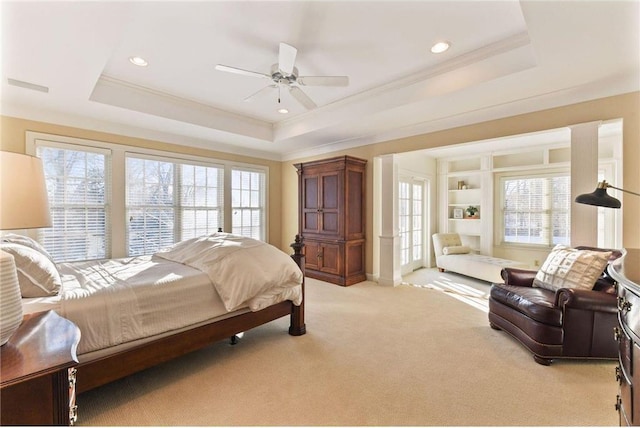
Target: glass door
{"x":411,"y":224}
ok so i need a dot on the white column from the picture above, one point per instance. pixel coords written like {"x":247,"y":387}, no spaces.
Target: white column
{"x":389,"y":237}
{"x":584,"y":179}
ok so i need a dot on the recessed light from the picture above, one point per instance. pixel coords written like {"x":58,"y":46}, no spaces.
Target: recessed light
{"x":140,"y":62}
{"x":440,"y":47}
{"x":283,"y":111}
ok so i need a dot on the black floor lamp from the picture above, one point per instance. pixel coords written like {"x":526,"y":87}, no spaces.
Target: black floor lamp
{"x":600,"y":198}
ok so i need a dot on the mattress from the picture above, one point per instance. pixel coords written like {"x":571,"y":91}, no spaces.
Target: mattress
{"x":117,"y":301}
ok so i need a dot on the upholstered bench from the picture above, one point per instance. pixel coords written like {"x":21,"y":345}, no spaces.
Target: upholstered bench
{"x":451,"y":255}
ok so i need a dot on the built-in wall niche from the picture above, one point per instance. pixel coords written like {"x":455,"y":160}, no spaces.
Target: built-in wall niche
{"x":560,"y":155}
{"x":464,"y":165}
{"x":518,"y":159}
{"x":534,"y":158}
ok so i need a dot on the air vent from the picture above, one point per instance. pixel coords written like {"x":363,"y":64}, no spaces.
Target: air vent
{"x":28,"y":85}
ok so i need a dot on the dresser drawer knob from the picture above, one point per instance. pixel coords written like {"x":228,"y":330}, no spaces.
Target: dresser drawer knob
{"x":72,"y":376}
{"x":618,"y":403}
{"x":623,"y":304}
{"x":616,"y":334}
{"x":73,"y":415}
{"x":618,"y":374}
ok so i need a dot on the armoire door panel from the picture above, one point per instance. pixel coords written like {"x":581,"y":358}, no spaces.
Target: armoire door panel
{"x":330,"y":223}
{"x":311,"y":224}
{"x":330,"y":191}
{"x":312,"y":255}
{"x":331,"y":256}
{"x":310,"y":190}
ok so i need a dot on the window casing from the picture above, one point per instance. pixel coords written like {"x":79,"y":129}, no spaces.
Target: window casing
{"x":170,"y":201}
{"x":536,"y":209}
{"x":78,"y":186}
{"x":168,"y":198}
{"x":248,"y":203}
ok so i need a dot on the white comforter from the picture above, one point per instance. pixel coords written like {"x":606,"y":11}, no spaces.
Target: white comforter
{"x":244,"y":271}
{"x":117,"y":301}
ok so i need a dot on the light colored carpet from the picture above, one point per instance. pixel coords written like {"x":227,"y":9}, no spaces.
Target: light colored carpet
{"x":372,"y":356}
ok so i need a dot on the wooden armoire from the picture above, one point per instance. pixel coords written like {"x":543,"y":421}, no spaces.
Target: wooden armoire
{"x":331,"y":218}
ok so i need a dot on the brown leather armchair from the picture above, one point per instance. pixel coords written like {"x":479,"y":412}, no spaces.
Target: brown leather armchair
{"x":567,"y":323}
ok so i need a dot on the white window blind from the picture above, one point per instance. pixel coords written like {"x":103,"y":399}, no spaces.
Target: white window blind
{"x":78,"y":181}
{"x":248,"y":197}
{"x":168,"y":201}
{"x":201,"y":193}
{"x":537,"y":210}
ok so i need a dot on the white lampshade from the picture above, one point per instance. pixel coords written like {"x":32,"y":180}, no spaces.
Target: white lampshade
{"x":10,"y":298}
{"x":23,"y":192}
{"x":23,"y":205}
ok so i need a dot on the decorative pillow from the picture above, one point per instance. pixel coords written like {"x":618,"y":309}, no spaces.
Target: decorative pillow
{"x":27,"y":242}
{"x":456,"y":249}
{"x":567,"y":267}
{"x":37,"y":275}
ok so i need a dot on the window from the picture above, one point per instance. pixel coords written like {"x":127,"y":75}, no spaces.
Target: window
{"x":536,"y":210}
{"x":78,"y":187}
{"x":170,"y":201}
{"x":109,"y":200}
{"x":248,"y":203}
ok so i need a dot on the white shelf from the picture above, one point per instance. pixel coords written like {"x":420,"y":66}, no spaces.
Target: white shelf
{"x":471,"y":173}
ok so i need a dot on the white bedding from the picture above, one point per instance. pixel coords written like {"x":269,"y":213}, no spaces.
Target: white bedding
{"x":117,"y":301}
{"x":244,"y":271}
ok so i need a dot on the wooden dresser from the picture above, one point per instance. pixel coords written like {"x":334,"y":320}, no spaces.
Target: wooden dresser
{"x":38,"y":375}
{"x":331,"y":195}
{"x":626,"y":272}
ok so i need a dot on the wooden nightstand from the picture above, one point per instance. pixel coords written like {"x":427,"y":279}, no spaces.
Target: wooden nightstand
{"x":37,"y":377}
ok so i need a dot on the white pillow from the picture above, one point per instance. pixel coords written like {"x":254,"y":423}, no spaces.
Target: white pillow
{"x":456,"y":249}
{"x":567,"y":267}
{"x":37,"y":275}
{"x":27,"y":242}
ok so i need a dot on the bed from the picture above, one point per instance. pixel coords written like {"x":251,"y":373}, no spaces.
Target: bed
{"x":136,"y":312}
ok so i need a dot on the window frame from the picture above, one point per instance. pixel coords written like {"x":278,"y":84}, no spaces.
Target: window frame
{"x":38,"y":234}
{"x":118,"y":179}
{"x":263,"y":198}
{"x":500,"y":204}
{"x":176,"y":204}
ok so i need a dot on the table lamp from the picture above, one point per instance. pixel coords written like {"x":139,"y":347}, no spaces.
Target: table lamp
{"x":23,"y":205}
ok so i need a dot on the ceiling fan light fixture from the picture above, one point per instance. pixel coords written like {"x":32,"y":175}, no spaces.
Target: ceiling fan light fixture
{"x":440,"y":47}
{"x":139,"y":61}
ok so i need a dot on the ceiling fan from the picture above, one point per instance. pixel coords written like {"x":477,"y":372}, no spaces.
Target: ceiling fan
{"x":285,"y":75}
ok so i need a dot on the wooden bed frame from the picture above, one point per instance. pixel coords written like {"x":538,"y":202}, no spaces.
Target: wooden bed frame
{"x":92,"y":374}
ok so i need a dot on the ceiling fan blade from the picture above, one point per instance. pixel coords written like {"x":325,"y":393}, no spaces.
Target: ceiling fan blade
{"x":287,"y":58}
{"x":323,"y":80}
{"x":251,"y":97}
{"x":235,"y":70}
{"x":302,"y":97}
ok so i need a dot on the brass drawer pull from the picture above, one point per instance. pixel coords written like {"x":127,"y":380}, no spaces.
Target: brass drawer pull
{"x":617,"y":334}
{"x":623,"y":304}
{"x":73,"y":415}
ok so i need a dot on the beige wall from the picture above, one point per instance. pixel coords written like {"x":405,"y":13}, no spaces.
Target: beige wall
{"x":283,"y":185}
{"x":625,"y":106}
{"x":12,"y":139}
